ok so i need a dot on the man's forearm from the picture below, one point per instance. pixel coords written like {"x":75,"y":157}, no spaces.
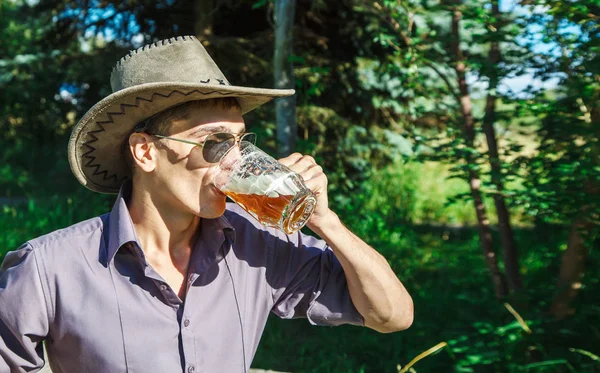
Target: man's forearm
{"x":375,"y":290}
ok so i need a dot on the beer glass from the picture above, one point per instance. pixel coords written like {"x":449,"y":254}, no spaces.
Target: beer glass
{"x":269,"y":191}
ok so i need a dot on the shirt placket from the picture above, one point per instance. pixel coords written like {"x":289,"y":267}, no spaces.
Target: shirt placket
{"x":184,"y":321}
{"x":194,"y":361}
{"x":188,"y":341}
{"x":183,"y":317}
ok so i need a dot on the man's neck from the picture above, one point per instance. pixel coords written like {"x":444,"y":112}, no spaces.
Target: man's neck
{"x":163,"y":231}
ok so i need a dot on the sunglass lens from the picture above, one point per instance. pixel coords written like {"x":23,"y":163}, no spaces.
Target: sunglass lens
{"x":249,"y":137}
{"x":216,"y":145}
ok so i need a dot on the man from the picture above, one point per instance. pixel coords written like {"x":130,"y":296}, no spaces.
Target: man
{"x":173,"y":278}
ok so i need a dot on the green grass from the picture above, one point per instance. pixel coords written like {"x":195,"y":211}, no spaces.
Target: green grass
{"x":420,"y":192}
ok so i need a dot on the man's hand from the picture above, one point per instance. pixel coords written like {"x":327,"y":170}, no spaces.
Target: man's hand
{"x":315,"y":180}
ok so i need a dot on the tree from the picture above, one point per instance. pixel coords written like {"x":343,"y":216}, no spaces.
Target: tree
{"x":432,"y":58}
{"x":564,"y":176}
{"x":469,"y":132}
{"x":493,"y":70}
{"x":283,"y":70}
{"x":37,"y":108}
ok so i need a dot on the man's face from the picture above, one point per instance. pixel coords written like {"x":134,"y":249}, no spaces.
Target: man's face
{"x":182,"y":178}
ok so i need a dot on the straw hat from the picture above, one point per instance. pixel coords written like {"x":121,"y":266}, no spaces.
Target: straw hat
{"x":147,"y":81}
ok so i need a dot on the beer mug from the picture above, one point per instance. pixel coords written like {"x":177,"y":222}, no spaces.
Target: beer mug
{"x":269,"y":191}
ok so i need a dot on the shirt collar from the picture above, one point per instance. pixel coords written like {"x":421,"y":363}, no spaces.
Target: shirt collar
{"x":213,"y":233}
{"x":120,"y":226}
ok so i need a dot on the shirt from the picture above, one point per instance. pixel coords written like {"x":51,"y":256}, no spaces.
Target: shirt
{"x":89,"y":293}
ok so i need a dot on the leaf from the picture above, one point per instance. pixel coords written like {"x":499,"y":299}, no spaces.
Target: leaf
{"x":260,"y":4}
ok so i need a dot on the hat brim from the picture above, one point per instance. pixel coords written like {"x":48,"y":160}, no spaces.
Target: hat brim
{"x":95,"y":145}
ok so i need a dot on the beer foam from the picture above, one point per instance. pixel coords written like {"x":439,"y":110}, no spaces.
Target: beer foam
{"x":259,"y":185}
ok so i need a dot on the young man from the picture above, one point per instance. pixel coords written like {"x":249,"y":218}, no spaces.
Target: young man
{"x":173,"y":278}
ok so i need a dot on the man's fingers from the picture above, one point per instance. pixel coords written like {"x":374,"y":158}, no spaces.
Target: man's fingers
{"x":298,"y":162}
{"x":312,"y":172}
{"x":317,"y":184}
{"x":303,"y":164}
{"x":290,"y":159}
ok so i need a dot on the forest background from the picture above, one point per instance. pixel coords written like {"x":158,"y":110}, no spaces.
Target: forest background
{"x":460,"y":138}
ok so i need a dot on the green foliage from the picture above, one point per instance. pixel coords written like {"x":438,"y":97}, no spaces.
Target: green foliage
{"x":26,"y":219}
{"x":563,"y":181}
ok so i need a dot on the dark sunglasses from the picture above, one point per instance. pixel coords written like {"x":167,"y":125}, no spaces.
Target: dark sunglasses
{"x":216,"y":145}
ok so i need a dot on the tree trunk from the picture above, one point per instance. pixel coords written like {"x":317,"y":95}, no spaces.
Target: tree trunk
{"x":485,"y":235}
{"x":285,"y":108}
{"x":203,"y":18}
{"x":571,"y":269}
{"x":580,"y":236}
{"x":573,"y":261}
{"x":511,"y":262}
{"x":485,"y":238}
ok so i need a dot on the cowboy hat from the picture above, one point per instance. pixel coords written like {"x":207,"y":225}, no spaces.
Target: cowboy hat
{"x":145,"y":82}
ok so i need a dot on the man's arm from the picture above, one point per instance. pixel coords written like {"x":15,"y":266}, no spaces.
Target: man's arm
{"x":375,"y":290}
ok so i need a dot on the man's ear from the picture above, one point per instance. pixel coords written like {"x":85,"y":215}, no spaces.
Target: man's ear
{"x":142,"y":150}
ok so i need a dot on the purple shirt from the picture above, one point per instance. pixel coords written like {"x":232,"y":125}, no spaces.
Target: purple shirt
{"x":90,"y":294}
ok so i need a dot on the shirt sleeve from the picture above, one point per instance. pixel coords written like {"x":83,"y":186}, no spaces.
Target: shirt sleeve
{"x":23,"y":312}
{"x":308,"y":281}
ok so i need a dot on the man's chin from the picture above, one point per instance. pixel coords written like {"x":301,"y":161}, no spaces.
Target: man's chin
{"x":216,"y":210}
{"x":218,"y":192}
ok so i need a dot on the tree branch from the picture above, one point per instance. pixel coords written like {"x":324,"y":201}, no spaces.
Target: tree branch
{"x":445,"y":79}
{"x":408,"y":41}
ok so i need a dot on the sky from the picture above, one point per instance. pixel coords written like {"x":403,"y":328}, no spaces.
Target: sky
{"x":520,"y":83}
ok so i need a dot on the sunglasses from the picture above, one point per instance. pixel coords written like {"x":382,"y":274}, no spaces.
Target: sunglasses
{"x":216,"y":145}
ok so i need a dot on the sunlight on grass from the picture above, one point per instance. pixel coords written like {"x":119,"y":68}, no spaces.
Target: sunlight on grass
{"x":422,"y":355}
{"x":518,"y":317}
{"x":421,"y":192}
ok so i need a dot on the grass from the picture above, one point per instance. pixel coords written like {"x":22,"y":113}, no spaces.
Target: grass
{"x":421,"y":192}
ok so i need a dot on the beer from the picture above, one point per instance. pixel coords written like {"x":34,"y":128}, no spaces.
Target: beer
{"x":281,"y":211}
{"x":270,"y":192}
{"x":268,"y":210}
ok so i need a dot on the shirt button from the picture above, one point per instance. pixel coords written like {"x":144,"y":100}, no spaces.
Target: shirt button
{"x":186,"y":323}
{"x":163,"y":287}
{"x":191,"y":369}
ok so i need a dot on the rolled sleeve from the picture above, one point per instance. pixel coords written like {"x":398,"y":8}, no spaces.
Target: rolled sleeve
{"x":308,"y":281}
{"x":23,"y":312}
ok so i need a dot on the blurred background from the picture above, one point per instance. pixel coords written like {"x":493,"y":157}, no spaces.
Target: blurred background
{"x":460,"y":138}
